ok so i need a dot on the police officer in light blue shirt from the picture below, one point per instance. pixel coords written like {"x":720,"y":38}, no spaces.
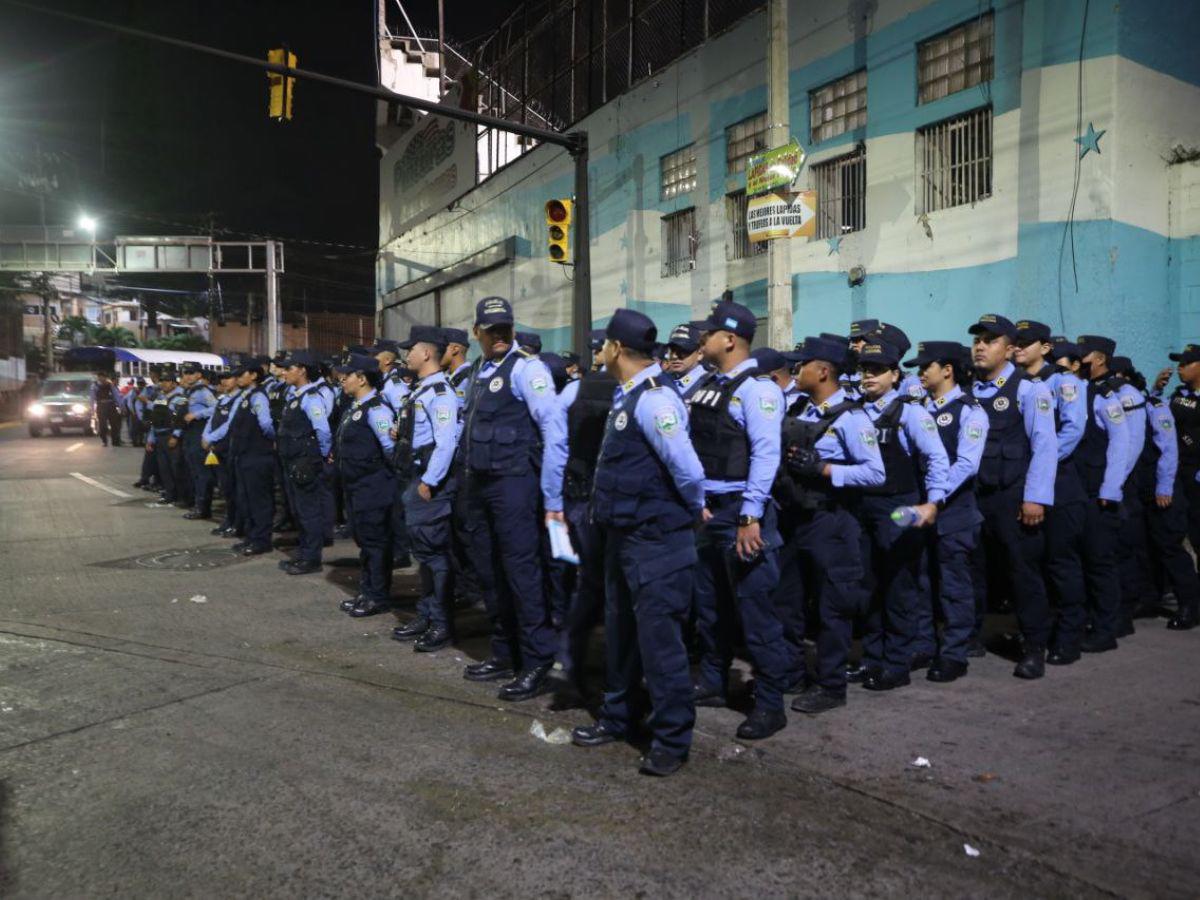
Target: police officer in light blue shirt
{"x":735,"y":428}
{"x":201,"y":401}
{"x":252,"y":450}
{"x":304,"y":440}
{"x":683,"y":365}
{"x":648,"y":494}
{"x":227,"y":391}
{"x":166,"y":426}
{"x":1016,"y":484}
{"x":910,"y":385}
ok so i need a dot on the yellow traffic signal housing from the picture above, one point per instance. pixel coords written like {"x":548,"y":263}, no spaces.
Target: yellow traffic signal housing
{"x":281,"y":88}
{"x":558,"y":225}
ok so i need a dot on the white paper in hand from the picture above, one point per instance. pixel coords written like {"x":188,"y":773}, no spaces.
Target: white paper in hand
{"x":560,"y":542}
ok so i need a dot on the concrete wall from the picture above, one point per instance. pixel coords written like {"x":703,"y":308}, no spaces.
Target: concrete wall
{"x":1010,"y":253}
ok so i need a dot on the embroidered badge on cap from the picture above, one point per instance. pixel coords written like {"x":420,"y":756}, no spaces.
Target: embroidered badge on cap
{"x":621,"y":421}
{"x":731,"y":323}
{"x":1000,"y":404}
{"x":495,"y":384}
{"x":666,"y":420}
{"x":945,"y":419}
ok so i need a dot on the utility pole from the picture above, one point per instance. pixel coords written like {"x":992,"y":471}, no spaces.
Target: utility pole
{"x":272,"y":317}
{"x":581,"y":295}
{"x":779,"y":256}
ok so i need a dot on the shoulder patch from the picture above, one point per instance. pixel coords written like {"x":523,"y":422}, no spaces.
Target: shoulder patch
{"x":768,"y":406}
{"x":928,"y":424}
{"x":442,"y":415}
{"x":538,"y":384}
{"x":974,"y":432}
{"x":666,"y":421}
{"x":1068,"y":391}
{"x":1114,"y":411}
{"x":867,"y":435}
{"x":1166,"y":423}
{"x":1043,"y":403}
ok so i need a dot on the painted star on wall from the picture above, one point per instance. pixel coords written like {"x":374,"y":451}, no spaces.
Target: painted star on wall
{"x":1089,"y":141}
{"x":623,"y":288}
{"x":835,"y":246}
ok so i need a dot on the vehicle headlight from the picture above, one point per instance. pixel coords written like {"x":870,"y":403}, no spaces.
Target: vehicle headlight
{"x":37,"y":410}
{"x":78,"y":409}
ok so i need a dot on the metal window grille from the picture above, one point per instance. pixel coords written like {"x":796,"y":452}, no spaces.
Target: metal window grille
{"x":956,"y":59}
{"x":740,"y":246}
{"x":841,"y":194}
{"x":838,"y":107}
{"x":678,"y":172}
{"x":679,"y":242}
{"x":955,"y":157}
{"x":743,"y":140}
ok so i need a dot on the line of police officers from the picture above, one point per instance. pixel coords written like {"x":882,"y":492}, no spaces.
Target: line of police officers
{"x":723,"y":497}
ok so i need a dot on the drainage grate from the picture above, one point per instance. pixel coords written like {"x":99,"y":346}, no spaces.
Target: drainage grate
{"x":191,"y":559}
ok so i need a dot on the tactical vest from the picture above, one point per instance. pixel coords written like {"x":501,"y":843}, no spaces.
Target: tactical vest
{"x":720,"y":442}
{"x":1185,"y":410}
{"x":360,"y":460}
{"x":410,"y":463}
{"x":461,"y":383}
{"x":690,"y":391}
{"x":948,"y":419}
{"x":104,"y":393}
{"x":219,"y":417}
{"x":1091,"y":456}
{"x":246,"y":437}
{"x":276,"y":397}
{"x":587,"y":419}
{"x":899,"y":467}
{"x":1007,"y":453}
{"x":499,"y":435}
{"x":341,"y":402}
{"x":295,"y":436}
{"x":632,"y":485}
{"x":809,"y":492}
{"x":160,"y":413}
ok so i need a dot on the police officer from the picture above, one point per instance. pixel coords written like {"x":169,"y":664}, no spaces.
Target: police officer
{"x":1016,"y":484}
{"x":393,"y":391}
{"x":860,"y":329}
{"x":252,"y":453}
{"x":830,"y":452}
{"x":530,"y":342}
{"x":683,"y":364}
{"x":1132,"y":540}
{"x":454,"y":361}
{"x":775,"y":365}
{"x":916,"y":465}
{"x":910,"y":385}
{"x":1185,"y":412}
{"x":215,"y":439}
{"x":426,"y":439}
{"x":362,"y":452}
{"x":511,"y":404}
{"x":149,"y":479}
{"x":277,"y":392}
{"x":735,"y":427}
{"x":200,"y":404}
{"x":649,"y":491}
{"x":459,"y":373}
{"x":166,"y":416}
{"x":596,"y":344}
{"x":962,"y":426}
{"x":106,"y":405}
{"x":303,"y":442}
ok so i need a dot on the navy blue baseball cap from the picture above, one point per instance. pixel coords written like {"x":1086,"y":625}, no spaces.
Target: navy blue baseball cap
{"x":595,"y":339}
{"x":879,"y":353}
{"x":300,"y":358}
{"x":188,"y":368}
{"x":168,"y":373}
{"x":1029,"y":332}
{"x":769,"y":359}
{"x":530,"y":340}
{"x":493,"y":311}
{"x":385,"y":346}
{"x":569,"y":358}
{"x":936,"y":351}
{"x":732,"y":317}
{"x":424,"y":334}
{"x":633,"y":329}
{"x":833,"y":352}
{"x":456,"y":336}
{"x":358,"y":362}
{"x":685,"y":336}
{"x":861,"y":328}
{"x":990,"y":323}
{"x":1189,"y":354}
{"x":1089,"y":343}
{"x":1121,"y":365}
{"x":1069,"y":349}
{"x":892,"y":334}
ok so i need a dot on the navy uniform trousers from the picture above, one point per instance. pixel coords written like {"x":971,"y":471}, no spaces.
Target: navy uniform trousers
{"x":894,"y":584}
{"x":820,"y":567}
{"x":947,"y":570}
{"x":401,"y":542}
{"x":648,"y":584}
{"x":166,"y":459}
{"x":725,"y":582}
{"x":226,"y":475}
{"x":585,"y":607}
{"x":150,"y":468}
{"x":370,"y":520}
{"x":1063,"y":559}
{"x":255,"y":480}
{"x":509,"y":562}
{"x":429,"y":536}
{"x":200,"y":475}
{"x":1165,"y":564}
{"x":465,"y":578}
{"x":309,"y":503}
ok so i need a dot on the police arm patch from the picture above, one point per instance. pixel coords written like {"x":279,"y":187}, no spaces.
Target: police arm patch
{"x":867,"y":436}
{"x":928,"y":424}
{"x":1115,"y":412}
{"x":666,"y":421}
{"x":1043,"y":404}
{"x":768,"y":406}
{"x":538,"y":384}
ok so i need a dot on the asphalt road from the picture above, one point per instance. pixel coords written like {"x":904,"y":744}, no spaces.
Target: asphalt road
{"x":225,"y":731}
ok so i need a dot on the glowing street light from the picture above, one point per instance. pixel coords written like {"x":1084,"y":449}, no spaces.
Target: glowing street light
{"x":87,"y":223}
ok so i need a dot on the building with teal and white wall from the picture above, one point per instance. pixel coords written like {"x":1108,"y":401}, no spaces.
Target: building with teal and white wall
{"x":1034,"y":158}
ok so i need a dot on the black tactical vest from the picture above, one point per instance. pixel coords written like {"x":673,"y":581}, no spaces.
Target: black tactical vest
{"x":1091,"y":456}
{"x":720,"y":442}
{"x":948,"y":419}
{"x":246,"y":435}
{"x":899,"y":467}
{"x":585,"y":431}
{"x":1007,"y":453}
{"x":1185,"y":409}
{"x":810,"y":492}
{"x":407,"y":462}
{"x":295,"y":435}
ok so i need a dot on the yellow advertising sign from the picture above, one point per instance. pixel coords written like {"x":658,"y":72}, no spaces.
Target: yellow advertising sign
{"x":774,"y":169}
{"x":774,"y":216}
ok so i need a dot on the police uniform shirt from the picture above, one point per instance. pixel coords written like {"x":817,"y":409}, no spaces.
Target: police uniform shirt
{"x":911,"y":388}
{"x":694,"y":376}
{"x":312,"y":404}
{"x":1161,"y":425}
{"x":1134,"y":404}
{"x":532,"y":385}
{"x":1111,"y":418}
{"x":210,"y":434}
{"x":1070,"y":399}
{"x":435,"y":421}
{"x":201,"y":401}
{"x":394,"y":390}
{"x":972,"y":436}
{"x":461,"y":390}
{"x":849,"y":445}
{"x":379,"y":418}
{"x":1036,"y":407}
{"x":662,"y":418}
{"x":917,"y":433}
{"x":260,"y":408}
{"x":791,"y":396}
{"x":326,"y":393}
{"x":567,"y":396}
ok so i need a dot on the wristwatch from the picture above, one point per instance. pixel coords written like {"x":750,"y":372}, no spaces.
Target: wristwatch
{"x":747,"y":520}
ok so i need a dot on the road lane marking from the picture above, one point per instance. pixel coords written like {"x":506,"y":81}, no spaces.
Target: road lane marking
{"x":75,"y":446}
{"x":104,"y":487}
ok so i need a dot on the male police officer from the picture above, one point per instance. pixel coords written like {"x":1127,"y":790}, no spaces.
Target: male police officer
{"x":830,"y":450}
{"x":393,"y":391}
{"x":649,"y":491}
{"x":1016,"y":484}
{"x":735,"y":426}
{"x":304,"y":441}
{"x":426,"y":438}
{"x":683,"y":364}
{"x":362,"y":452}
{"x":1185,"y":411}
{"x":459,"y":371}
{"x":510,"y":406}
{"x":166,"y":418}
{"x":201,"y":401}
{"x":106,"y":405}
{"x":214,"y":439}
{"x":252,"y":450}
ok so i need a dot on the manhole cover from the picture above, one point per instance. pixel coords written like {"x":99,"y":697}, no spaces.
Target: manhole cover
{"x":187,"y":560}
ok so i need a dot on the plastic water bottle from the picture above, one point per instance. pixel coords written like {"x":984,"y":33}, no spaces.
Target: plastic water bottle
{"x":905,"y":516}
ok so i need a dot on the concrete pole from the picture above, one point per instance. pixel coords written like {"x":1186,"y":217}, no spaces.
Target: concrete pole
{"x":779,"y":257}
{"x":272,"y":317}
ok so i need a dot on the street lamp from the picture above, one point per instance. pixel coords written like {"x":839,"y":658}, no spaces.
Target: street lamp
{"x":87,"y":223}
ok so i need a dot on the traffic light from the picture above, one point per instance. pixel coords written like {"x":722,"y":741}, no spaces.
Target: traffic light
{"x":281,"y":88}
{"x":558,"y":224}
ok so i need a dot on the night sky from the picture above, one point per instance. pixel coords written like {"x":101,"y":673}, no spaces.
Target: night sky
{"x":157,"y":140}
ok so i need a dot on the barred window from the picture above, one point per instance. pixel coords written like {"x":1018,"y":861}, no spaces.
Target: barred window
{"x":743,"y":140}
{"x":838,"y":107}
{"x":955,"y":60}
{"x":841,"y":194}
{"x":739,"y":245}
{"x":678,"y":172}
{"x":679,"y":241}
{"x":955,"y":161}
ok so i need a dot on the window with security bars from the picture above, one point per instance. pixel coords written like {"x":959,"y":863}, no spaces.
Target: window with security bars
{"x":954,"y":158}
{"x":841,"y":186}
{"x":838,"y":107}
{"x":743,"y":140}
{"x":955,"y":60}
{"x":679,"y":241}
{"x":678,"y":172}
{"x":740,"y":246}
